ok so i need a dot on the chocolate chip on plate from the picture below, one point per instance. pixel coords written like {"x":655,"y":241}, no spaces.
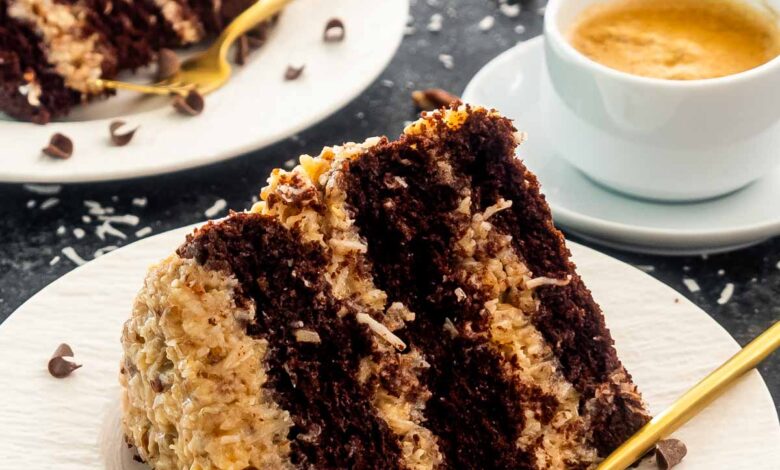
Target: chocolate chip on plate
{"x":190,"y":104}
{"x":60,"y":367}
{"x":167,"y":64}
{"x":120,"y":136}
{"x":293,"y":72}
{"x":669,"y":453}
{"x":334,"y":31}
{"x":59,"y":146}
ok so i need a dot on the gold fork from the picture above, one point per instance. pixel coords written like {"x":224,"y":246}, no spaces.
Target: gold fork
{"x":694,"y":400}
{"x":210,"y":69}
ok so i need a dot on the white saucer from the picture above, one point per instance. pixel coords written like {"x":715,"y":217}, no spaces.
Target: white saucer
{"x":255,"y":109}
{"x":665,"y":341}
{"x":511,"y":83}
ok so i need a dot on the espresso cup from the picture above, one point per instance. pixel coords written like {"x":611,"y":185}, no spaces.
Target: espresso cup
{"x":655,"y":138}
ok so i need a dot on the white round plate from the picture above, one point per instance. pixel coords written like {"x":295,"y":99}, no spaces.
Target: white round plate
{"x":511,"y":84}
{"x":665,"y":341}
{"x":257,"y":107}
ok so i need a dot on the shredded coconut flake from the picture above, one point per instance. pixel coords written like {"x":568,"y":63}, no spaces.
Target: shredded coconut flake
{"x":49,"y":203}
{"x":520,"y":29}
{"x":94,"y":208}
{"x":31,"y":203}
{"x":691,"y":284}
{"x":381,"y":331}
{"x":79,"y":233}
{"x":143,"y":232}
{"x":107,"y":229}
{"x":218,"y":206}
{"x":726,"y":294}
{"x":71,"y":254}
{"x":486,"y":23}
{"x":43,"y":189}
{"x":500,"y":205}
{"x":86,"y":219}
{"x":460,"y":294}
{"x":447,"y":61}
{"x":307,"y":336}
{"x":435,"y":23}
{"x":648,"y":268}
{"x":102,"y":251}
{"x":508,"y":10}
{"x":127,"y":219}
{"x":140,"y":201}
{"x":449,"y":327}
{"x":61,"y":230}
{"x":546,"y":281}
{"x":54,"y":261}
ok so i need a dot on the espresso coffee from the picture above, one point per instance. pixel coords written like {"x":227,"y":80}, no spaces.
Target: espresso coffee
{"x":677,"y":39}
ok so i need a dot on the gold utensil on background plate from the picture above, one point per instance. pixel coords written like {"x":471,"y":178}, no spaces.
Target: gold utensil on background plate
{"x":210,"y":69}
{"x":694,"y":400}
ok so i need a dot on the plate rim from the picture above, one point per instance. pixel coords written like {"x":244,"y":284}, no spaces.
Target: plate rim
{"x":94,"y":175}
{"x":681,"y":239}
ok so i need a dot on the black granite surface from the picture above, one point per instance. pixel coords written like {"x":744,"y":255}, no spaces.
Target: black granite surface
{"x":29,"y":238}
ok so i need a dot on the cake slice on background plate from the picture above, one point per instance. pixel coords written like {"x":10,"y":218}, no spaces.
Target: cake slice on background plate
{"x":398,"y":304}
{"x":51,"y":50}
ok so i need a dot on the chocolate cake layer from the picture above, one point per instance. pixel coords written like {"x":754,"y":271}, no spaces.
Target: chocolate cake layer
{"x":315,"y":381}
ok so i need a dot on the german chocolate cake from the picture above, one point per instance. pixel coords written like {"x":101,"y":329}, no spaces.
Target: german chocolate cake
{"x":387,"y":305}
{"x":50,"y":50}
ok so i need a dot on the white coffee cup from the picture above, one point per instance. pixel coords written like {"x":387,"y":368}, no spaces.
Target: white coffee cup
{"x":654,"y":138}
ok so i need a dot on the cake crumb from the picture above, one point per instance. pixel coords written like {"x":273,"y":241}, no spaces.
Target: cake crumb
{"x":691,"y":284}
{"x":71,"y":254}
{"x":307,"y":336}
{"x":218,"y":206}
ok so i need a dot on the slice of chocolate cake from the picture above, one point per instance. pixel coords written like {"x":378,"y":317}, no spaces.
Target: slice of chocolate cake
{"x":50,"y":50}
{"x":387,"y":305}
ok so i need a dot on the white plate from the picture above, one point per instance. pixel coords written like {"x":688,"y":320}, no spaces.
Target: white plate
{"x":511,"y":83}
{"x":666,"y":342}
{"x":256,"y":108}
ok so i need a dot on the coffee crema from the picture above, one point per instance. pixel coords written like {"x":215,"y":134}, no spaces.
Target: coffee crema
{"x":677,"y":39}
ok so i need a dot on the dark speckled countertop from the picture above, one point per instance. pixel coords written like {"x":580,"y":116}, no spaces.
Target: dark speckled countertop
{"x":31,"y":238}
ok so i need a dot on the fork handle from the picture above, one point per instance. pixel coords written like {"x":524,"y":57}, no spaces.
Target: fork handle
{"x":251,"y":17}
{"x":694,"y":400}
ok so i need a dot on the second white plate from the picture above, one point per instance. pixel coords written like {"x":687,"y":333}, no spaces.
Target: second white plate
{"x":256,"y":108}
{"x":665,"y":341}
{"x":511,"y":84}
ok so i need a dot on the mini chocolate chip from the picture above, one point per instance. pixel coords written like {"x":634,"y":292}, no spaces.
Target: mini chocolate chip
{"x":120,"y":138}
{"x":156,"y":384}
{"x":60,"y":367}
{"x":168,"y":64}
{"x":669,"y":453}
{"x":59,"y":147}
{"x":293,"y":73}
{"x":242,"y":50}
{"x":192,"y":104}
{"x":433,"y":98}
{"x":334,"y":31}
